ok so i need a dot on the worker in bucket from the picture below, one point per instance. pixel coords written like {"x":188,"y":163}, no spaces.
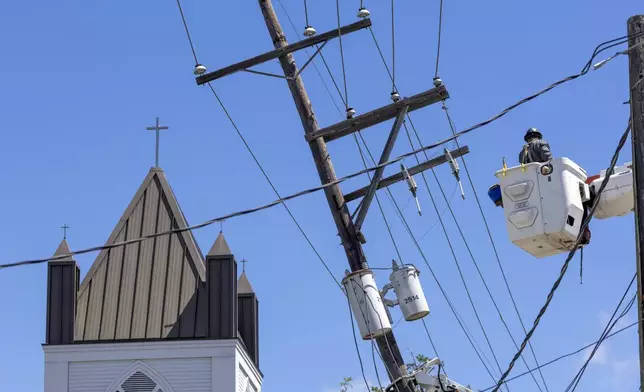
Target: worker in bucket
{"x":536,"y":149}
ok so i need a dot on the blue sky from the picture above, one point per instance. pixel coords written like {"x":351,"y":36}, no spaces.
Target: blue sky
{"x":80,"y":81}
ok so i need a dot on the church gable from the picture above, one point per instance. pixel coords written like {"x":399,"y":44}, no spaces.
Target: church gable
{"x":148,"y":290}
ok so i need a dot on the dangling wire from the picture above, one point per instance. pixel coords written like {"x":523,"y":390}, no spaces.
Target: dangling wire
{"x":306,"y":14}
{"x":393,"y":50}
{"x":581,"y":266}
{"x":344,"y":73}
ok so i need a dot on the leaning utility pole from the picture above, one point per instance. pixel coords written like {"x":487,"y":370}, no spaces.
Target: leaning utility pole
{"x":636,"y":67}
{"x":348,"y":230}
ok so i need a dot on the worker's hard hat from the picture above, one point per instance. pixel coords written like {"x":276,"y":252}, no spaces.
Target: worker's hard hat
{"x":532,"y":133}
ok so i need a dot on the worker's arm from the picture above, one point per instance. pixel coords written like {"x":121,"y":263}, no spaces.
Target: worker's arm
{"x":546,"y":154}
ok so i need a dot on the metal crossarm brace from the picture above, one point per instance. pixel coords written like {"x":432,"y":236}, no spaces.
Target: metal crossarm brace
{"x":380,"y":115}
{"x":273,"y":54}
{"x":412,"y":170}
{"x":377,"y":175}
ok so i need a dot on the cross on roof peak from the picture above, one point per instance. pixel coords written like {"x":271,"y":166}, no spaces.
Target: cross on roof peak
{"x":65,"y":227}
{"x":157,"y":127}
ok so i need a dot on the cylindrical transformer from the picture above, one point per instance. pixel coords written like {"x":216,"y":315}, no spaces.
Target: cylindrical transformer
{"x":409,"y":292}
{"x":366,"y":304}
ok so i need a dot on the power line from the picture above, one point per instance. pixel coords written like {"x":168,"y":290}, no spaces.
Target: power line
{"x":564,"y":356}
{"x":468,"y":334}
{"x":609,"y":326}
{"x":344,"y":73}
{"x":355,"y":341}
{"x":469,"y":250}
{"x":498,"y":259}
{"x":440,"y":30}
{"x":382,"y":212}
{"x":454,"y":257}
{"x":185,"y":25}
{"x":564,"y":268}
{"x":259,"y":165}
{"x":301,"y":193}
{"x":452,"y":127}
{"x":393,"y":48}
{"x":448,"y":207}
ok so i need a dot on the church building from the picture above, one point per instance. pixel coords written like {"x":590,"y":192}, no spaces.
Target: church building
{"x":152,"y":316}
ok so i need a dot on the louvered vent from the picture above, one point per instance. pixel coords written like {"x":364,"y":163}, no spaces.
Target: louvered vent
{"x":139,"y":382}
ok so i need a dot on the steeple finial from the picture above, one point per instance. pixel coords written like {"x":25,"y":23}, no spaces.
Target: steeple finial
{"x":65,"y":227}
{"x":157,"y":128}
{"x":244,"y":261}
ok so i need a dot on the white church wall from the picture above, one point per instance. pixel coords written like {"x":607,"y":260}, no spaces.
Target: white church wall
{"x":248,"y":378}
{"x":176,"y":366}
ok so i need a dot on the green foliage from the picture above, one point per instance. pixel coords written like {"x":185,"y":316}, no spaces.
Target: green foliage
{"x":345,"y":384}
{"x":377,"y":389}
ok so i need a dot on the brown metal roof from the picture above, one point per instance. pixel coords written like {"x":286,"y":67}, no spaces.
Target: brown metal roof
{"x":149,"y":290}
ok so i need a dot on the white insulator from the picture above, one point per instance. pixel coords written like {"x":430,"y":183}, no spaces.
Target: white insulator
{"x":452,"y":163}
{"x":409,"y":179}
{"x":363,"y":13}
{"x":409,"y":292}
{"x":437,"y":81}
{"x":351,"y":112}
{"x":199,"y":70}
{"x":366,"y":304}
{"x":309,"y":31}
{"x":395,"y":96}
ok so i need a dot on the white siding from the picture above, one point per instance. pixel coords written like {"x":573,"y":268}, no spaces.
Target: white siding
{"x":95,"y":376}
{"x":175,"y":366}
{"x":242,"y":380}
{"x":183,"y":375}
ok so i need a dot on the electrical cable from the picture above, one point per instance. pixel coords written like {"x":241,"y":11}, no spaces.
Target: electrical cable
{"x":440,"y":30}
{"x":306,"y":14}
{"x":609,"y":326}
{"x":468,"y":334}
{"x":392,"y":76}
{"x":344,"y":73}
{"x":259,"y":165}
{"x":496,"y":253}
{"x":559,"y":358}
{"x":453,"y":252}
{"x":393,"y":49}
{"x":317,"y":70}
{"x":295,"y":195}
{"x":469,"y":250}
{"x":306,"y":237}
{"x":355,"y":341}
{"x":431,"y":341}
{"x":340,"y":112}
{"x":564,"y":267}
{"x":382,"y":212}
{"x":185,"y":25}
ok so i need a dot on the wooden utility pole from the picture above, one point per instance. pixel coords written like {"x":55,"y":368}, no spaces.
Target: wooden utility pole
{"x":346,"y":230}
{"x":636,"y":67}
